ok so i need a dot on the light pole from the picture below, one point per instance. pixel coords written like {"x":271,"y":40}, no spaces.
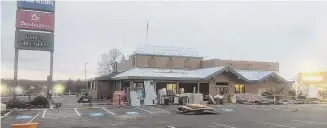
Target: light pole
{"x":87,"y":86}
{"x":85,"y":70}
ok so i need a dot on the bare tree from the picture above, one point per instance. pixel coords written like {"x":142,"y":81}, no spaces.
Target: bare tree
{"x":104,"y":65}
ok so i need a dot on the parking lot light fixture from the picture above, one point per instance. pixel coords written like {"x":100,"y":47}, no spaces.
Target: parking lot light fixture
{"x":58,"y":88}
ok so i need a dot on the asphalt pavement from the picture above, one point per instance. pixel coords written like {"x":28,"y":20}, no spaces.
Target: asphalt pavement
{"x":231,"y":116}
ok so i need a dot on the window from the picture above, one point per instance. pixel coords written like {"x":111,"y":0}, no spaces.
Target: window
{"x":187,"y":63}
{"x":222,"y":89}
{"x":94,"y":86}
{"x":151,"y":62}
{"x":133,"y":61}
{"x":170,"y":63}
{"x":171,"y":86}
{"x":239,"y":89}
{"x":88,"y":85}
{"x":140,"y":91}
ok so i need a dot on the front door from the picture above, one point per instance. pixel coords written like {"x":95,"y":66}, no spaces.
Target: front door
{"x":223,"y":89}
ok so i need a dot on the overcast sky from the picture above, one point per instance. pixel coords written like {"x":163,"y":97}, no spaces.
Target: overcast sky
{"x":290,"y":33}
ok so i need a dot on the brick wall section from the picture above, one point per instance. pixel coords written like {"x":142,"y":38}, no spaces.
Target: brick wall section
{"x":161,"y":62}
{"x":241,"y":65}
{"x":141,"y":61}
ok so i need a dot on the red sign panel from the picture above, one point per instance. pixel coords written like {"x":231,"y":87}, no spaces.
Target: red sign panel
{"x":34,"y":20}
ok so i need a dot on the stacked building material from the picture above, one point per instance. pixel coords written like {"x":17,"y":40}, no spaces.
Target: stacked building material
{"x":194,"y":98}
{"x":119,"y":98}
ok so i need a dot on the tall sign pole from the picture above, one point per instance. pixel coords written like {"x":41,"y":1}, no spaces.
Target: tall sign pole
{"x":35,"y":31}
{"x":15,"y":74}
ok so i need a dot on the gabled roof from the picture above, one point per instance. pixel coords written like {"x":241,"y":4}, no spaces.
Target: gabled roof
{"x":223,"y":69}
{"x":259,"y":76}
{"x":198,"y":74}
{"x":207,"y":72}
{"x":253,"y":75}
{"x":275,"y":75}
{"x":166,"y":51}
{"x":155,"y":73}
{"x":105,"y":77}
{"x":175,"y":74}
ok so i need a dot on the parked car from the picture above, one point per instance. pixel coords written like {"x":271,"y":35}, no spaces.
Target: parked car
{"x":3,"y":107}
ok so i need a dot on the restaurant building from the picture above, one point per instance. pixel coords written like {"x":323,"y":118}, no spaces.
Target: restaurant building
{"x":174,"y":68}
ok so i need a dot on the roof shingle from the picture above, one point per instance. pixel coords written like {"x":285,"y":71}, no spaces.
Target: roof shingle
{"x":166,"y":51}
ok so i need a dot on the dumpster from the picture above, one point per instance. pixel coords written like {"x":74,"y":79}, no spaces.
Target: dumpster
{"x":27,"y":125}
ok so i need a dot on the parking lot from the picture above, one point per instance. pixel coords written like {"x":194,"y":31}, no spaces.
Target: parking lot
{"x":231,"y":116}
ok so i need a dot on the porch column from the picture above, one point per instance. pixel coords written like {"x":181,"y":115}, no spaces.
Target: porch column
{"x":130,"y":84}
{"x":177,"y":88}
{"x":155,"y":86}
{"x":120,"y":86}
{"x":198,"y":87}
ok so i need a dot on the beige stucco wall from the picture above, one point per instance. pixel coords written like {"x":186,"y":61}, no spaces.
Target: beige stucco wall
{"x":161,"y":61}
{"x":243,"y":65}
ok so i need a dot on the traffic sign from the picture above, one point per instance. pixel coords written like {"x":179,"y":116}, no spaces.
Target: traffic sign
{"x":42,"y":5}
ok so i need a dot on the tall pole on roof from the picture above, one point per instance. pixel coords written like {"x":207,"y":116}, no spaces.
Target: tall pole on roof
{"x":124,"y":44}
{"x":147,"y":32}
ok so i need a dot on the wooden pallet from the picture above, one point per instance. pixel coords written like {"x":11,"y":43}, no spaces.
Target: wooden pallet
{"x":188,"y":110}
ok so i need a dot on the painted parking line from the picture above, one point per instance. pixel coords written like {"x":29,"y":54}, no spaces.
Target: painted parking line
{"x":311,"y":107}
{"x":310,"y":122}
{"x":153,"y":109}
{"x":16,"y":117}
{"x":8,"y":113}
{"x":273,"y":108}
{"x":34,"y":117}
{"x":77,"y":112}
{"x":128,"y":111}
{"x":255,"y":108}
{"x":161,"y":110}
{"x":45,"y":110}
{"x":226,"y":126}
{"x":144,"y":110}
{"x":28,"y":110}
{"x":283,"y":109}
{"x":59,"y":113}
{"x":109,"y":111}
{"x":94,"y":111}
{"x":279,"y":125}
